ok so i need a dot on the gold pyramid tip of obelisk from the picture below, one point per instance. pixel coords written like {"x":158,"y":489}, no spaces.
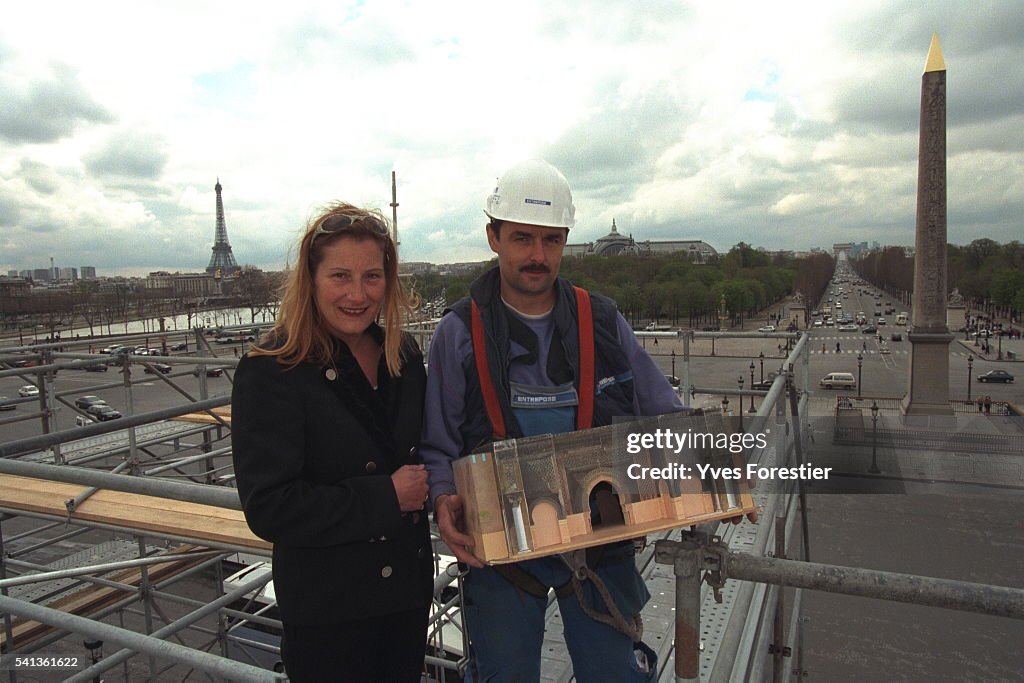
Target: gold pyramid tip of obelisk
{"x":935,"y":62}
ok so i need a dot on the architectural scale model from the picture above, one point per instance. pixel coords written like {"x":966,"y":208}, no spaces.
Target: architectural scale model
{"x":548,"y":494}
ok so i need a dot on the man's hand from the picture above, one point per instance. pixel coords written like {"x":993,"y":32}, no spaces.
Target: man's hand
{"x":410,"y":482}
{"x":451,"y":523}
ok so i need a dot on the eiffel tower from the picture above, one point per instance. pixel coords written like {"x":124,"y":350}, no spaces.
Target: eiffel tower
{"x":222,"y":262}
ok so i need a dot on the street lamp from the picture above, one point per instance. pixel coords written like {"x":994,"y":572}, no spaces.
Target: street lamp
{"x":741,"y":403}
{"x":761,"y":357}
{"x":874,"y":439}
{"x":752,"y":408}
{"x":673,"y":362}
{"x":970,"y":365}
{"x":999,"y":355}
{"x":860,"y":363}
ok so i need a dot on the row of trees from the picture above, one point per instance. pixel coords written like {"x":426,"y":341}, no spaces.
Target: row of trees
{"x":985,"y":272}
{"x":672,"y":289}
{"x":100,"y":310}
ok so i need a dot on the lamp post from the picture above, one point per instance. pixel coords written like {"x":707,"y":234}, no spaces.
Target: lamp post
{"x":999,"y":355}
{"x":761,"y":357}
{"x":874,"y":439}
{"x":860,"y":364}
{"x":752,"y":408}
{"x":970,"y":366}
{"x":673,"y":362}
{"x":741,"y":403}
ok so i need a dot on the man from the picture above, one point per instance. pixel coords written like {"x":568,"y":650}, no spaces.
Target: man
{"x":527,"y":317}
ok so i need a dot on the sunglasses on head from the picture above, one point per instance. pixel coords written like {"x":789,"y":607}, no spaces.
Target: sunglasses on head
{"x":336,"y":224}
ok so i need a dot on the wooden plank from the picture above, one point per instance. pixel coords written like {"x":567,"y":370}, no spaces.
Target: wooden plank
{"x":150,"y":515}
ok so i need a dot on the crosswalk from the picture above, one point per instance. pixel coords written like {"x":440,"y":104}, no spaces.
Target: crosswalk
{"x":868,"y":352}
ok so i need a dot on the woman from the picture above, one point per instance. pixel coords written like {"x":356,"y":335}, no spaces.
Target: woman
{"x":325,"y":423}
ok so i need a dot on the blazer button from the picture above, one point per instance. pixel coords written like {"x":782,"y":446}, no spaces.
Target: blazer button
{"x":371,"y":467}
{"x":421,"y":553}
{"x":386,"y":571}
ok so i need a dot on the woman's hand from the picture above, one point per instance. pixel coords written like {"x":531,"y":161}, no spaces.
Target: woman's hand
{"x":410,"y":482}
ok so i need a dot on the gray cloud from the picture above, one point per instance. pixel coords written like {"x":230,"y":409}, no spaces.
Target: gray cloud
{"x":129,"y":154}
{"x":47,"y":111}
{"x":39,"y":177}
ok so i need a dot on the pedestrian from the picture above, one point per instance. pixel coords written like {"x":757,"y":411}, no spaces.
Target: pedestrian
{"x":823,"y":347}
{"x":988,"y":405}
{"x":864,"y":345}
{"x":521,"y":326}
{"x":837,"y":347}
{"x":981,"y":403}
{"x":326,"y":420}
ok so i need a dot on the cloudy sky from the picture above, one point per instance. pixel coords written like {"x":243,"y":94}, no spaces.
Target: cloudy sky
{"x":785,"y":124}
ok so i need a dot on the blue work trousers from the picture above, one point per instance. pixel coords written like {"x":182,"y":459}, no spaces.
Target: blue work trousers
{"x":506,"y":624}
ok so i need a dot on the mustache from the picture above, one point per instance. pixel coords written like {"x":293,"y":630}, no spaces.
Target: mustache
{"x":538,"y":268}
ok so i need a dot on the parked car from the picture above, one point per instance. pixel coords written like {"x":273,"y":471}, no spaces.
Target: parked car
{"x":817,"y":323}
{"x":28,"y":390}
{"x":84,"y":402}
{"x":103,"y":412}
{"x":996,"y":376}
{"x":766,"y":328}
{"x":838,"y":380}
{"x":4,"y":405}
{"x":870,"y":329}
{"x":153,"y":368}
{"x":111,"y":349}
{"x":82,"y":420}
{"x":765,"y":383}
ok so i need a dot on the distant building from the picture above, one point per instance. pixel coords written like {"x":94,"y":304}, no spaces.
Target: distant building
{"x":617,"y":244}
{"x":88,"y":272}
{"x":41,"y":274}
{"x":14,"y":287}
{"x":160,"y":279}
{"x":67,"y":274}
{"x":195,"y":284}
{"x":415,"y":267}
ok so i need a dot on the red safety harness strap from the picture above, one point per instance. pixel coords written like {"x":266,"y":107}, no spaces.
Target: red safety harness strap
{"x":483,"y":371}
{"x":585,"y":410}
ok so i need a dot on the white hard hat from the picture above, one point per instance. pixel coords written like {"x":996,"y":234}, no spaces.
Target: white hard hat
{"x":533,"y":193}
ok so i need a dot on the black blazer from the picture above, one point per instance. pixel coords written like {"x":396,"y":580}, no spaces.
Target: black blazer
{"x":314,"y":448}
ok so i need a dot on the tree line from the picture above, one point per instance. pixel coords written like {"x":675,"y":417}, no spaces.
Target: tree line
{"x":671,"y":289}
{"x":989,"y":275}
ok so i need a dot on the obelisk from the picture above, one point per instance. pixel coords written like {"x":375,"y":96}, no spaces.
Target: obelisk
{"x":928,"y":386}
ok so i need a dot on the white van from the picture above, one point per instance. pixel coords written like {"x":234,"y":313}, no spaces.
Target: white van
{"x":838,"y":380}
{"x":901,"y":319}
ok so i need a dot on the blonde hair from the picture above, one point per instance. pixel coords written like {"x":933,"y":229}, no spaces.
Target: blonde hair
{"x":299,"y":333}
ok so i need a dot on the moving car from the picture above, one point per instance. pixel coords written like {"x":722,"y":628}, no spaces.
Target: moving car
{"x":217,"y":372}
{"x":103,"y":412}
{"x":848,"y":328}
{"x":85,"y":401}
{"x":766,"y":328}
{"x":838,"y":380}
{"x":765,"y":383}
{"x":4,"y":405}
{"x":870,"y":329}
{"x":996,"y":376}
{"x":153,"y":368}
{"x":97,"y":367}
{"x":28,"y":390}
{"x":896,"y":336}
